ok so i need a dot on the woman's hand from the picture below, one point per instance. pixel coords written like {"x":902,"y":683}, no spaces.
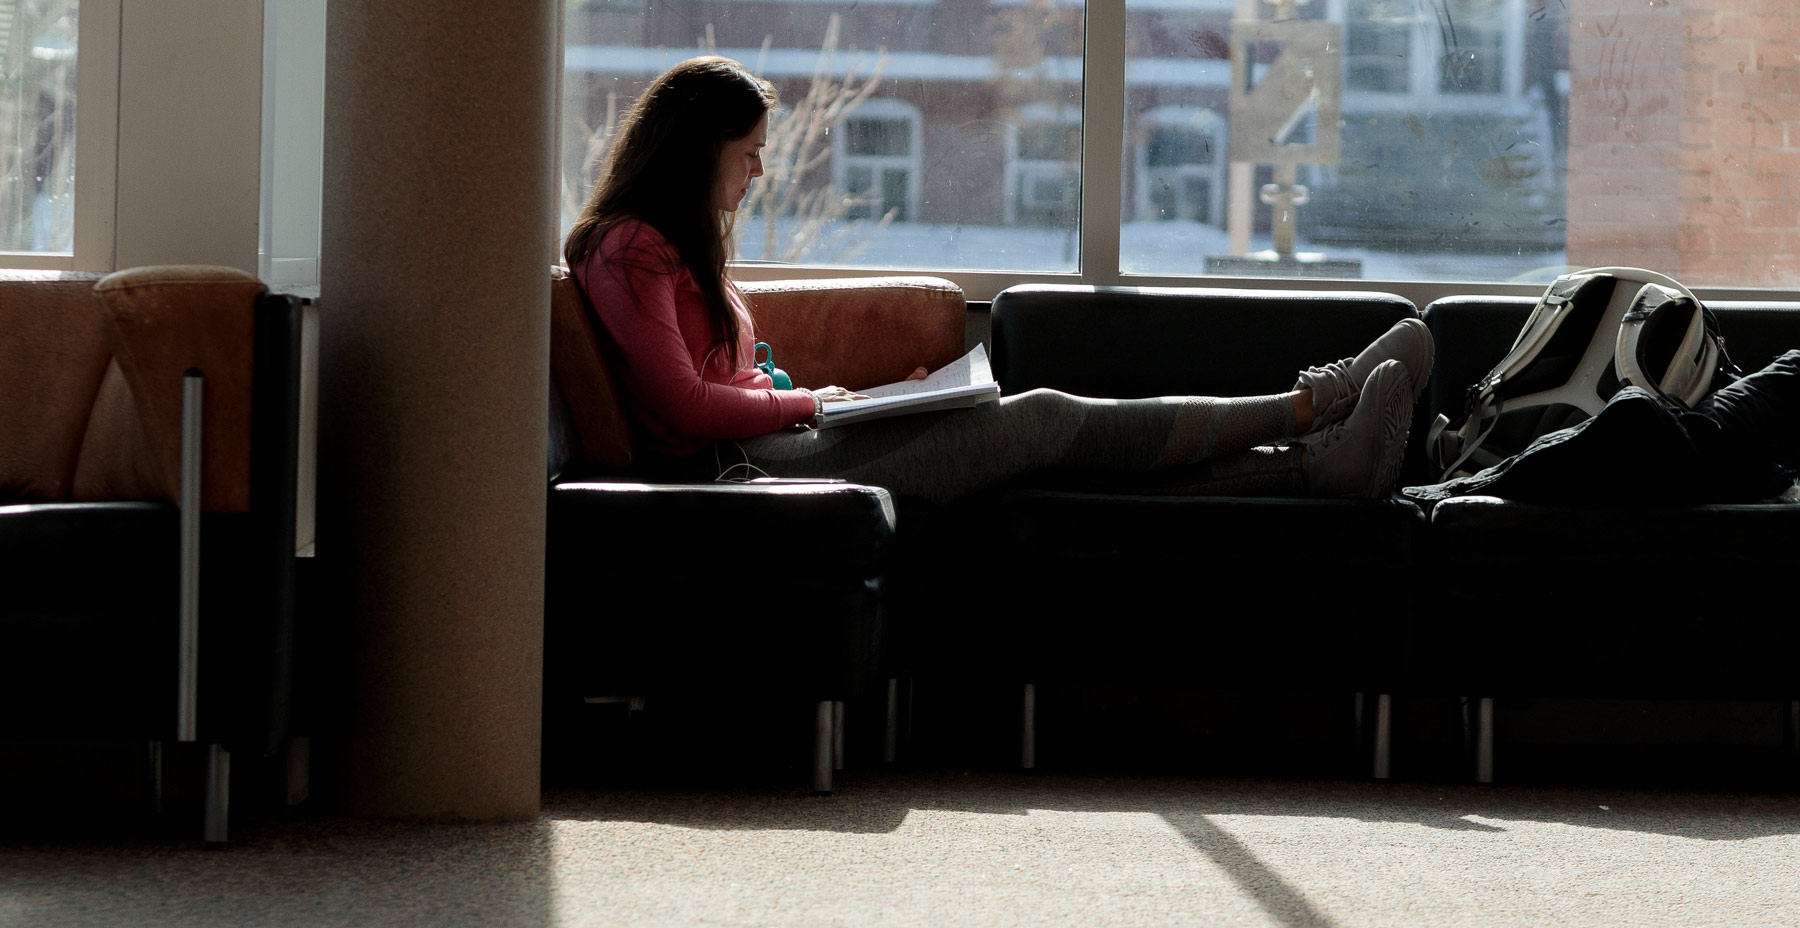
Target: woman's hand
{"x":836,"y":395}
{"x":919,"y":373}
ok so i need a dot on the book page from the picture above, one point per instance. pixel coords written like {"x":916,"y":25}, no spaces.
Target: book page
{"x":968,"y":370}
{"x":967,"y":381}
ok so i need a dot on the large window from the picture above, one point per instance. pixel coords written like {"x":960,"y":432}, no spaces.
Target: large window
{"x":37,"y":125}
{"x":896,"y":142}
{"x":1395,"y":140}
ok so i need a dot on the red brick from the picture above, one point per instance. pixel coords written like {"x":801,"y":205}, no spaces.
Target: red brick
{"x":1722,"y":54}
{"x":1697,"y":25}
{"x":1727,"y":239}
{"x":1695,"y":239}
{"x":1640,"y":25}
{"x":1746,"y":187}
{"x":1652,"y":209}
{"x":1766,"y":162}
{"x":1776,"y":109}
{"x":1775,"y":215}
{"x":1733,"y":25}
{"x":1695,"y":133}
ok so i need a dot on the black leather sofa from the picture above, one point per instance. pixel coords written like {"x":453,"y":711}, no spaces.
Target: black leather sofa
{"x":729,"y":592}
{"x":1115,"y":582}
{"x":1081,"y":580}
{"x":151,"y":572}
{"x":1624,"y":598}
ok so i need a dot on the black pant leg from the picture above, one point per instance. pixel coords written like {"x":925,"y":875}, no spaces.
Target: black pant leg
{"x":1747,"y":433}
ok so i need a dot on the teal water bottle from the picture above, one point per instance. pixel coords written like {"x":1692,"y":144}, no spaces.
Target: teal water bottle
{"x":767,"y":366}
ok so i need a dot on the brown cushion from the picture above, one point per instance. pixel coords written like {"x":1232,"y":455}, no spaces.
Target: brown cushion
{"x":161,"y":323}
{"x":52,"y":356}
{"x":858,"y":332}
{"x":116,"y":460}
{"x":580,"y":372}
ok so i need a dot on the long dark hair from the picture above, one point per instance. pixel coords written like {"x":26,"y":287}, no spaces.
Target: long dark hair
{"x":663,"y":168}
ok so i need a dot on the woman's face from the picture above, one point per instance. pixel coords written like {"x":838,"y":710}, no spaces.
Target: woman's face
{"x":739,"y":163}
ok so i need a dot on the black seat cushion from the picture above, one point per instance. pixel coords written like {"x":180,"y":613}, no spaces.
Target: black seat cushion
{"x":1298,"y":593}
{"x":657,"y":588}
{"x":1690,"y":601}
{"x":90,"y":621}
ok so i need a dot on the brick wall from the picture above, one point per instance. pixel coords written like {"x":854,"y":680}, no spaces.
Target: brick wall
{"x":1684,"y":138}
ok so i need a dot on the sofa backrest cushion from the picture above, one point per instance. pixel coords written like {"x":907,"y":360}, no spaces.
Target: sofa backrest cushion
{"x":852,"y":332}
{"x":162,"y":322}
{"x":858,"y":332}
{"x":1127,"y":342}
{"x":581,"y":373}
{"x":1474,"y":333}
{"x":53,"y":354}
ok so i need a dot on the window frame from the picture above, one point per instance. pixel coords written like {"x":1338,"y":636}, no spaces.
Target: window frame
{"x":94,"y":243}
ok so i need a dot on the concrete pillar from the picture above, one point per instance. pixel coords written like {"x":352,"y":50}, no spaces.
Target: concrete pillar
{"x":434,"y":297}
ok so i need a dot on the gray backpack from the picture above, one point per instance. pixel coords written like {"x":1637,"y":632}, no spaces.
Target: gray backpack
{"x":1592,"y":333}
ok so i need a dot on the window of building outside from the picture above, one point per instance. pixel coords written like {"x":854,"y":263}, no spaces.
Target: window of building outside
{"x":875,"y":161}
{"x":1408,"y":140}
{"x":1044,"y":164}
{"x":1180,"y":166}
{"x":37,"y":126}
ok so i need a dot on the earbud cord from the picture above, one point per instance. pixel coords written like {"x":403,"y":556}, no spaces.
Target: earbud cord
{"x":725,"y":472}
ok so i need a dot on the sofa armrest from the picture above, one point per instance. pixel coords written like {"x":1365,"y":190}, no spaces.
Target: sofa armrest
{"x":858,"y":332}
{"x":162,"y":322}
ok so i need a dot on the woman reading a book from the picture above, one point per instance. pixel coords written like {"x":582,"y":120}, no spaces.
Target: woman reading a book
{"x":649,"y":252}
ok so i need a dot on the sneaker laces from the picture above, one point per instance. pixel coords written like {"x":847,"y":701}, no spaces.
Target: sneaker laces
{"x":1336,"y":377}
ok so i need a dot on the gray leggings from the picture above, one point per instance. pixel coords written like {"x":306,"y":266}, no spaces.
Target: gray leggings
{"x":1189,"y":444}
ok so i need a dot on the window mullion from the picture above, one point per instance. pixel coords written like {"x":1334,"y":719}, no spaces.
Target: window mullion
{"x":1103,"y":129}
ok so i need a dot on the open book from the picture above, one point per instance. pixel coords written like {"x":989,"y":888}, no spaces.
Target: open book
{"x":965,"y":381}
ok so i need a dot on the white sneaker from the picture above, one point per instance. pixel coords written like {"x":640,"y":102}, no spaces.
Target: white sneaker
{"x":1336,"y":386}
{"x":1360,"y":456}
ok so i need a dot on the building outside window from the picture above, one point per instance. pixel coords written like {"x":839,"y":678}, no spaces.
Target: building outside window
{"x":876,"y":161}
{"x":1181,"y":166}
{"x":1046,"y":167}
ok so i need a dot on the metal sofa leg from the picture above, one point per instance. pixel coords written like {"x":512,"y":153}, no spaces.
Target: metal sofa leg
{"x":837,"y":735}
{"x":823,"y":736}
{"x":1028,"y":728}
{"x":153,"y":778}
{"x":890,"y":735}
{"x":218,"y":794}
{"x":1384,"y":737}
{"x":299,"y":770}
{"x":1484,"y":740}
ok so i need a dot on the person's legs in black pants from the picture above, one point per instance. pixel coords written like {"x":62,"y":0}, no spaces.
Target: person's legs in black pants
{"x":1748,"y":432}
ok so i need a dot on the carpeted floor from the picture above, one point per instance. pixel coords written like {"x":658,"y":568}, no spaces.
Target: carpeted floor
{"x":948,"y":849}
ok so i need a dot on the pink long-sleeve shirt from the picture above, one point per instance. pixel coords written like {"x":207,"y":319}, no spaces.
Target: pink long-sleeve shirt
{"x":678,"y":377}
